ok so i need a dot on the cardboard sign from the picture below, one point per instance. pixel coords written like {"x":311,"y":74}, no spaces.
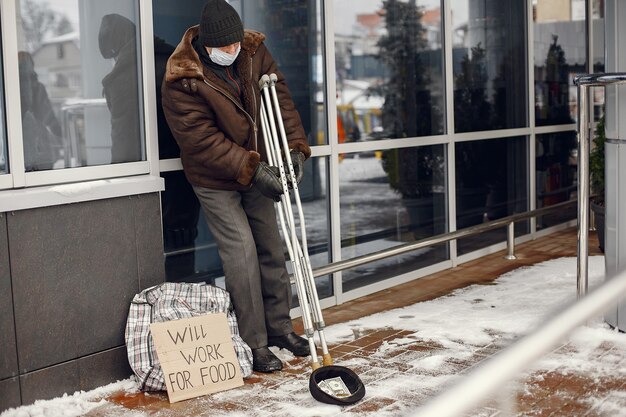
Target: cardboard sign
{"x":197,"y":356}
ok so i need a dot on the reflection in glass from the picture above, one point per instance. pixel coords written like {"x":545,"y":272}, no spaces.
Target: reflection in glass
{"x":180,"y":212}
{"x":489,"y":64}
{"x":170,"y":23}
{"x":117,"y":41}
{"x":40,"y":128}
{"x":293,"y":31}
{"x":79,"y":83}
{"x":389,"y":63}
{"x":598,"y":55}
{"x":389,"y":198}
{"x":4,"y":154}
{"x":4,"y":166}
{"x":491,"y":183}
{"x":556,"y":170}
{"x":315,"y":207}
{"x":190,"y":251}
{"x":559,"y":42}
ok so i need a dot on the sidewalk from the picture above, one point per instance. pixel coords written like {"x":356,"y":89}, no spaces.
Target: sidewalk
{"x":550,"y":393}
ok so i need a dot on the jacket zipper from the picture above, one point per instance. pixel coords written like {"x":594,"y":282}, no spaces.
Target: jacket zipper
{"x":250,"y":119}
{"x":254,"y":98}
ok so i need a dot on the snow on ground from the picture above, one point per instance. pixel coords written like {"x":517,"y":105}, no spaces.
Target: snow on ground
{"x":479,"y":314}
{"x":73,"y":405}
{"x":460,"y":323}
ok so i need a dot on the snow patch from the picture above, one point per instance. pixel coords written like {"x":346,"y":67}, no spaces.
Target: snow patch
{"x":470,"y":323}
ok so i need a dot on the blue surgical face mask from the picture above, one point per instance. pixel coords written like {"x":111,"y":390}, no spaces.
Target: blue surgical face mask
{"x":223,"y":58}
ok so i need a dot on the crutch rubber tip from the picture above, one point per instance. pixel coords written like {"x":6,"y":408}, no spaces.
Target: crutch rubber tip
{"x":327,"y":359}
{"x":315,"y":365}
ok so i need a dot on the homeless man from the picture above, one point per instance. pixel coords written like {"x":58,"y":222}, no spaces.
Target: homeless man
{"x":211,"y":100}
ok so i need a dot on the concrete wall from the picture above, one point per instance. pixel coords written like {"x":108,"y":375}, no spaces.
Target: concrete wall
{"x":67,"y":276}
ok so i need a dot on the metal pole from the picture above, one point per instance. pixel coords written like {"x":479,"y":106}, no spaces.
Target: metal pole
{"x":583,"y":83}
{"x":583,"y":191}
{"x":434,"y":240}
{"x":510,"y":242}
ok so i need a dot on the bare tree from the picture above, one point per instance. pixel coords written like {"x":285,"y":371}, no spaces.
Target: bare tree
{"x":40,"y":21}
{"x":63,"y":26}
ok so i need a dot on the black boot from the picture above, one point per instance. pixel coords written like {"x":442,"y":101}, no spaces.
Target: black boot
{"x":297,"y":345}
{"x":263,"y":360}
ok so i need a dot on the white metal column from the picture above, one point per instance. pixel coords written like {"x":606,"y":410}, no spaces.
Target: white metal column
{"x":615,"y":152}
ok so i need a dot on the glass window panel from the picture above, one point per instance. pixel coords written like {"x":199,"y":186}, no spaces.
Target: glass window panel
{"x":389,"y":198}
{"x":190,"y":251}
{"x":489,"y":64}
{"x":294,"y":37}
{"x":4,"y":166}
{"x":4,"y":154}
{"x":556,"y":171}
{"x":560,"y":54}
{"x":169,"y":23}
{"x":185,"y":234}
{"x":389,"y":69}
{"x":80,"y":83}
{"x":315,"y":208}
{"x":598,"y":55}
{"x":491,"y":183}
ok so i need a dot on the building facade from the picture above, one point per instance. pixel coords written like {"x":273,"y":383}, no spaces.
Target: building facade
{"x":424,"y":116}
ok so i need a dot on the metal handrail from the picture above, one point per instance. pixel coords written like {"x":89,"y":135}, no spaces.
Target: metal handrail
{"x":442,"y":238}
{"x":597,"y":80}
{"x":490,"y":377}
{"x":583,"y":83}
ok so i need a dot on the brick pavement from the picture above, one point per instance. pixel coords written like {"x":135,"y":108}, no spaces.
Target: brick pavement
{"x":547,"y":393}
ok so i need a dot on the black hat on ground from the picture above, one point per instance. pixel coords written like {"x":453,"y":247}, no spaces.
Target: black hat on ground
{"x":220,"y":25}
{"x":352,"y":381}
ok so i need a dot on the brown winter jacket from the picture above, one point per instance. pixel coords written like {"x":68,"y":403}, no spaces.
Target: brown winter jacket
{"x":218,"y":134}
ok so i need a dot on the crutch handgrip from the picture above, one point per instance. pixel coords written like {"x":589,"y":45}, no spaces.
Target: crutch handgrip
{"x":273,"y":79}
{"x":264,"y":81}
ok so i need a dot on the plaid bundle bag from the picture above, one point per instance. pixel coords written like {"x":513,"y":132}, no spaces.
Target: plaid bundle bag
{"x":171,"y":301}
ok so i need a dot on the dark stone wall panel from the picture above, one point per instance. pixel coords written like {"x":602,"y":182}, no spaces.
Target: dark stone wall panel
{"x":148,"y":226}
{"x":103,"y":368}
{"x":76,"y":269}
{"x":85,"y":374}
{"x":51,"y":382}
{"x":8,"y":352}
{"x":10,"y":394}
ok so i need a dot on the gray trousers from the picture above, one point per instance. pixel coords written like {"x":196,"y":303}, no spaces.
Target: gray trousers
{"x":244,"y":226}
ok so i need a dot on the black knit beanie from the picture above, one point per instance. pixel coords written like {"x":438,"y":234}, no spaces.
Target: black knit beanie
{"x":220,"y":25}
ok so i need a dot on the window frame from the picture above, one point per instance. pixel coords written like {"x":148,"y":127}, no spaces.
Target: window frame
{"x":123,"y":178}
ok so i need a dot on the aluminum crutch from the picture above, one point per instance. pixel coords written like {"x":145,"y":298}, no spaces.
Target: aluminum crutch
{"x":287,"y":220}
{"x":303,"y":252}
{"x":286,"y":217}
